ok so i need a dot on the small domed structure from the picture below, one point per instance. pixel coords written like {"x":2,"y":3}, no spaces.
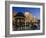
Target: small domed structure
{"x":20,"y":18}
{"x":19,"y":15}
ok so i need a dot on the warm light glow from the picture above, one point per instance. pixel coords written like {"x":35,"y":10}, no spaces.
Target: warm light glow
{"x":26,"y":13}
{"x":28,"y":16}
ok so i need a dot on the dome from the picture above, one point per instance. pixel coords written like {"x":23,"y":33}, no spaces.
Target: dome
{"x":26,"y":13}
{"x":19,"y":15}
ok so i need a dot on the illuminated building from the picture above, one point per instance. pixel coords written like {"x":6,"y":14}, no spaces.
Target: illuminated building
{"x":23,"y":21}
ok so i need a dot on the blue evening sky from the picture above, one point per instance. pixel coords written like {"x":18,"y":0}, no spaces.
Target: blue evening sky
{"x":33,"y":11}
